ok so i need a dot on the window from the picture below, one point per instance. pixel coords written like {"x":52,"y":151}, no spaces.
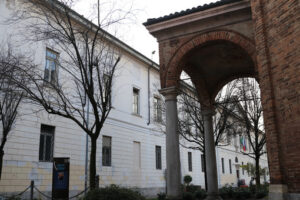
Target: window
{"x":186,"y":113}
{"x":46,"y":143}
{"x":243,"y":170}
{"x":223,"y":169}
{"x":236,"y":159}
{"x":137,"y":155}
{"x":235,"y":141}
{"x":228,"y":138}
{"x":105,"y":88}
{"x":50,"y":74}
{"x":106,"y":151}
{"x":190,"y":161}
{"x":158,"y":156}
{"x":230,"y":170}
{"x":136,"y":101}
{"x":202,"y":163}
{"x":157,"y":109}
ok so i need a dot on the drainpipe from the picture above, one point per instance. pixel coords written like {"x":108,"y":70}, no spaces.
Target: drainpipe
{"x":149,"y":114}
{"x":148,"y":96}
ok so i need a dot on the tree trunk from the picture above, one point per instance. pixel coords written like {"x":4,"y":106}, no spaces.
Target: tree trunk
{"x":3,"y":142}
{"x":1,"y":161}
{"x":257,"y":174}
{"x":93,"y":163}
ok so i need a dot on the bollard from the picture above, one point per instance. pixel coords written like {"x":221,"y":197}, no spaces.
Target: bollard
{"x":31,"y":189}
{"x":97,"y":181}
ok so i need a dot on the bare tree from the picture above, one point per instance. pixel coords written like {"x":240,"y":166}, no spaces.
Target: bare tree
{"x":10,"y":98}
{"x":250,"y":114}
{"x":191,"y":122}
{"x":87,"y":65}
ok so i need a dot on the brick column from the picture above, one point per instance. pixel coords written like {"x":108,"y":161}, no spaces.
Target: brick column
{"x":276,"y":27}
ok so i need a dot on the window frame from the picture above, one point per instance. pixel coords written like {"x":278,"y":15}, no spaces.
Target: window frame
{"x":157,"y":112}
{"x":106,"y":77}
{"x":223,"y":166}
{"x":106,"y":162}
{"x":158,"y":157}
{"x":138,"y":166}
{"x":49,"y":58}
{"x":138,"y":101}
{"x":190,"y":161}
{"x":202,"y":163}
{"x":230,"y":168}
{"x":45,"y":134}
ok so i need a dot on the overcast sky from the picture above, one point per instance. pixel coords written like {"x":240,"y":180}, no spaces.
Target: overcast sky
{"x":133,"y":32}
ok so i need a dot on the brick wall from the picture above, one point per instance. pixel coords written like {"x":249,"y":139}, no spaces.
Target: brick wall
{"x":277,"y":35}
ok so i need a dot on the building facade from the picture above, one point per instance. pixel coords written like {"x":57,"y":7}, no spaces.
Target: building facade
{"x":131,"y":149}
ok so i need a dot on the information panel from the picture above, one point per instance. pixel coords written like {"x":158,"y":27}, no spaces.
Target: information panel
{"x":60,"y":178}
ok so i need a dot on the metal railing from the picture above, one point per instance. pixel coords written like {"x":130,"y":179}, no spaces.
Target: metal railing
{"x":33,"y":188}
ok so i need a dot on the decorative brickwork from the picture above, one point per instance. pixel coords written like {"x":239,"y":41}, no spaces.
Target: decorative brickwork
{"x":275,"y":51}
{"x":173,"y":68}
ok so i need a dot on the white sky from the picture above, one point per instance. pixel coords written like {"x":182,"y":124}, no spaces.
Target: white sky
{"x":133,"y":32}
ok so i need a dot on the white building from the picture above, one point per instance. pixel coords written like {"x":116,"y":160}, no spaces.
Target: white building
{"x":131,"y":151}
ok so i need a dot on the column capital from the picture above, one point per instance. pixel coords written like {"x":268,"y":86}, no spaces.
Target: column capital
{"x":169,"y":93}
{"x":208,"y":111}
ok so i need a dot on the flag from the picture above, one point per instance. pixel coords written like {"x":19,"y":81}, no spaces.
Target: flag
{"x":243,"y":142}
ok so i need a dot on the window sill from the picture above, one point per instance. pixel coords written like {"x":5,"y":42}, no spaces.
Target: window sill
{"x":137,"y":115}
{"x":50,"y":86}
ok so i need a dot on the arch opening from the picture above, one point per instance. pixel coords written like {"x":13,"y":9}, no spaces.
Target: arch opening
{"x":213,"y":64}
{"x":242,"y":99}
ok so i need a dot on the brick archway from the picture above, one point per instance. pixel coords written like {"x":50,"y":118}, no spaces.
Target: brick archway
{"x":174,"y":67}
{"x":275,"y":58}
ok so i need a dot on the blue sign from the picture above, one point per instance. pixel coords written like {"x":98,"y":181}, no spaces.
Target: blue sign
{"x":60,"y":178}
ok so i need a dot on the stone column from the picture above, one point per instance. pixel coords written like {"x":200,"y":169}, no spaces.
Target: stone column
{"x":210,"y":155}
{"x":172,"y":143}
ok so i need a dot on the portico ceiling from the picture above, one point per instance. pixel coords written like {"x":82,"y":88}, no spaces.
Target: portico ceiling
{"x":218,"y":62}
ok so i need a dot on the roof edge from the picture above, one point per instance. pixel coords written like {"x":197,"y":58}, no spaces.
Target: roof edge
{"x":152,"y":21}
{"x":130,"y":50}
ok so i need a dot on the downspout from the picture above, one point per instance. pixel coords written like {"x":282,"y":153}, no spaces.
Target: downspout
{"x":149,"y":114}
{"x":149,"y":94}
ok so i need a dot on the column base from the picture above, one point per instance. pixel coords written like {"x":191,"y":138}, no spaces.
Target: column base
{"x":213,"y":197}
{"x":173,"y":198}
{"x":278,"y":192}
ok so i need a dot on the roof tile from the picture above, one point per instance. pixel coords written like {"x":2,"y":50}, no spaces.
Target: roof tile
{"x":189,"y":11}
